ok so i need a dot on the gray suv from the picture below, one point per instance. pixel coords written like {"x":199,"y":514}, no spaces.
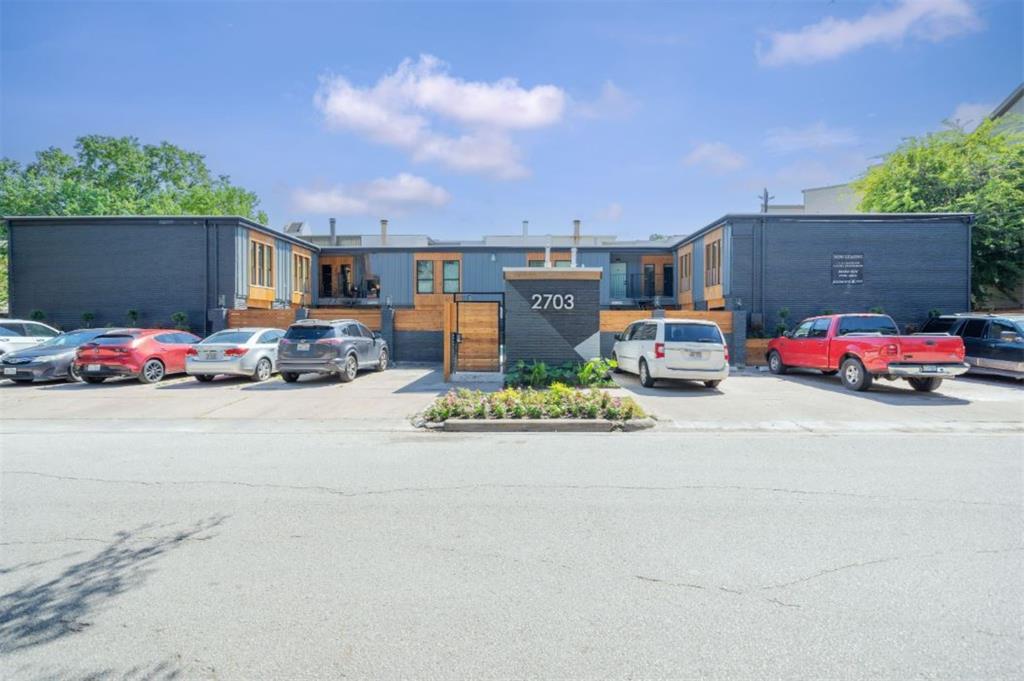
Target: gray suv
{"x":339,"y":346}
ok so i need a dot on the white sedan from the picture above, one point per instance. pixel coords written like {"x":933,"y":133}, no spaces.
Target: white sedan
{"x":689,"y":349}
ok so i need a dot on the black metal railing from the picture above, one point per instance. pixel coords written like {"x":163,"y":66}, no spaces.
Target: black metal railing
{"x":641,"y":286}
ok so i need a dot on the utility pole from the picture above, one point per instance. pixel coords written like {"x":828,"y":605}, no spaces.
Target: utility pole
{"x":765,"y":198}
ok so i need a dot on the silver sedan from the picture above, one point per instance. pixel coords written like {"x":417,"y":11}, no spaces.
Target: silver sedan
{"x":248,"y":352}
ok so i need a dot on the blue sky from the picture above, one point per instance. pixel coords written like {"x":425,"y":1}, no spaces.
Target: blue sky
{"x":458,"y":120}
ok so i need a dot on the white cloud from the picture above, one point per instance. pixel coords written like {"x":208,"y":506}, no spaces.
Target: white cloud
{"x":402,"y":109}
{"x":931,"y":20}
{"x":613,"y":102}
{"x":970,"y":115}
{"x":717,"y":157}
{"x":610,"y":213}
{"x":384,"y":195}
{"x":816,"y":136}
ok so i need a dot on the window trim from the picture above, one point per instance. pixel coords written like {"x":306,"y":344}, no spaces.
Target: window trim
{"x":421,"y":280}
{"x":261,"y":262}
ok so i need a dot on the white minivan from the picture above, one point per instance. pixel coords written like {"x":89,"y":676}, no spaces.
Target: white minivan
{"x":689,"y":349}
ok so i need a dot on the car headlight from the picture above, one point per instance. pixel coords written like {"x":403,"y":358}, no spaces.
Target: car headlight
{"x":47,"y":358}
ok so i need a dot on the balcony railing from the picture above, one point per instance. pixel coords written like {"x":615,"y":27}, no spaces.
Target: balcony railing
{"x":336,"y":293}
{"x":641,"y":286}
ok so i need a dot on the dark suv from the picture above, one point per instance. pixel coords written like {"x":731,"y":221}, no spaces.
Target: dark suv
{"x":339,"y":346}
{"x":994,"y":343}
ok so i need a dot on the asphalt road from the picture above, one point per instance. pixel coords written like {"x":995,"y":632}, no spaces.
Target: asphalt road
{"x":148,"y":534}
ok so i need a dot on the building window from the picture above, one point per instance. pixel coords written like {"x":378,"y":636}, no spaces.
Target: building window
{"x":450,"y":272}
{"x":424,"y":276}
{"x":685,"y":272}
{"x":261,"y":264}
{"x":300,"y":273}
{"x":535,"y":263}
{"x":561,"y":263}
{"x":713,"y":263}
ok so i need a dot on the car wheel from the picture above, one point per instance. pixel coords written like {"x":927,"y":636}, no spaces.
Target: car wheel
{"x":349,"y":371}
{"x":646,"y":380}
{"x":74,"y":374}
{"x":263,"y":370}
{"x":95,"y":380}
{"x":925,"y":385}
{"x":203,"y":378}
{"x":616,"y":369}
{"x":775,"y":364}
{"x":382,"y":361}
{"x":711,"y":384}
{"x":854,"y":375}
{"x":289,"y":377}
{"x":152,"y":371}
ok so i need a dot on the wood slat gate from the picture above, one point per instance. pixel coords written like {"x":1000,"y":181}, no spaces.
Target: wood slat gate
{"x":478,"y":343}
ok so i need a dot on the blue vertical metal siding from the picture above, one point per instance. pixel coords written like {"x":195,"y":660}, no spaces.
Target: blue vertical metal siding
{"x":482,"y":271}
{"x":698,"y":270}
{"x":241,"y":265}
{"x":600,"y":259}
{"x":395,"y":272}
{"x":726,"y":259}
{"x":283,"y":272}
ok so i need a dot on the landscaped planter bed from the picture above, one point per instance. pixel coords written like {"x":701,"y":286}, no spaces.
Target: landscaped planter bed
{"x":560,"y":408}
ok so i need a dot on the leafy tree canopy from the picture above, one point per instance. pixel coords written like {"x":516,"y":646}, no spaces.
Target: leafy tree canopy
{"x":119,"y":176}
{"x":980,"y":172}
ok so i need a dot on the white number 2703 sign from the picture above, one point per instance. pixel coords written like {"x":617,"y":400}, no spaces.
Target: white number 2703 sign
{"x":553,"y":301}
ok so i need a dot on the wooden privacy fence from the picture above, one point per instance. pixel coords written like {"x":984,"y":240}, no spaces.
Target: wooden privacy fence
{"x":615,"y":321}
{"x":368,"y":316}
{"x":278,"y":319}
{"x":756,"y":349}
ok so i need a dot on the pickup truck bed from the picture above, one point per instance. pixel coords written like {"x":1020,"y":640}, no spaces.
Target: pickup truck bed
{"x":862,"y":347}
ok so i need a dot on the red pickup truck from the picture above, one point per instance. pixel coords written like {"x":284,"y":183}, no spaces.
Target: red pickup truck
{"x":862,"y":347}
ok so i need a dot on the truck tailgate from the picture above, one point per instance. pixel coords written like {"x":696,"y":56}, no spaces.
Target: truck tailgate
{"x":926,"y":349}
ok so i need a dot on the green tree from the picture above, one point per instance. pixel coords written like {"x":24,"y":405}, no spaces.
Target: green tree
{"x":120,"y":176}
{"x":980,"y":172}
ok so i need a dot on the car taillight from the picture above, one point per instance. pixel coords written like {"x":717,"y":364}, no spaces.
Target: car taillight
{"x":659,"y":351}
{"x":235,"y":352}
{"x":284,"y":341}
{"x":328,"y":341}
{"x":726,"y":352}
{"x":192,"y":352}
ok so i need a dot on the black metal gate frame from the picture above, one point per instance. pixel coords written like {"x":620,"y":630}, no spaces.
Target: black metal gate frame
{"x":501,"y":323}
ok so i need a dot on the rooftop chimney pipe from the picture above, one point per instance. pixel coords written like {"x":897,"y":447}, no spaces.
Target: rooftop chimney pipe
{"x":334,"y":238}
{"x":526,"y":227}
{"x":383,"y":232}
{"x":576,"y":231}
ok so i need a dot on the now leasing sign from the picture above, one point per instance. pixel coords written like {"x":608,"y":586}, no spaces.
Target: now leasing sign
{"x":847,"y":268}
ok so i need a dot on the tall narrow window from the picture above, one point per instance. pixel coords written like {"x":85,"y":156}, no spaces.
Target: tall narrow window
{"x":685,"y":278}
{"x":424,"y":276}
{"x":713,"y":263}
{"x":451,"y":276}
{"x":261,"y":267}
{"x":300,"y":273}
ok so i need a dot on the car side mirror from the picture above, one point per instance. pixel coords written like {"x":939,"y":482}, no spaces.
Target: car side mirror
{"x":618,"y":336}
{"x":377,"y":335}
{"x":787,"y":334}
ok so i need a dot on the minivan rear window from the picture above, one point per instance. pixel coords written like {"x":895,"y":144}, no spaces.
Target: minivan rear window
{"x":882,"y":325}
{"x":309,"y":332}
{"x":230,"y":337}
{"x":692,"y":333}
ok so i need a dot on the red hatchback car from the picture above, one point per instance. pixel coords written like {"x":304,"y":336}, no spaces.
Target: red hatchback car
{"x":145,"y":354}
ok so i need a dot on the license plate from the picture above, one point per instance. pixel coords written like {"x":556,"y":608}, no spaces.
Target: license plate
{"x":929,"y":368}
{"x":696,"y":355}
{"x":92,"y":367}
{"x":302,"y":347}
{"x":210,"y":354}
{"x":10,"y":371}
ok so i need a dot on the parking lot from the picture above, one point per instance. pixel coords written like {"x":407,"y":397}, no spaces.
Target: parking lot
{"x":749,"y":400}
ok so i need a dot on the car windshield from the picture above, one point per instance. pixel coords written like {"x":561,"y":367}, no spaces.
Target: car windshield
{"x":309,"y":332}
{"x":882,"y":325}
{"x":230,"y":337}
{"x":112,"y":339}
{"x":69,"y":340}
{"x":692,"y":333}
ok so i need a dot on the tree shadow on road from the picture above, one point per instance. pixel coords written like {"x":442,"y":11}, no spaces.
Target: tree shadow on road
{"x":41,"y":612}
{"x":165,"y":670}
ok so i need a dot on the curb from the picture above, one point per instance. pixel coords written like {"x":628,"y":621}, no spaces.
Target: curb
{"x":540,"y":425}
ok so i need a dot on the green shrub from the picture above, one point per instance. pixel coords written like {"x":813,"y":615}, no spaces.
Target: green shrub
{"x":560,"y":401}
{"x":133,"y":317}
{"x":180,"y":321}
{"x":594,"y":373}
{"x":37,"y":315}
{"x":87,"y":319}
